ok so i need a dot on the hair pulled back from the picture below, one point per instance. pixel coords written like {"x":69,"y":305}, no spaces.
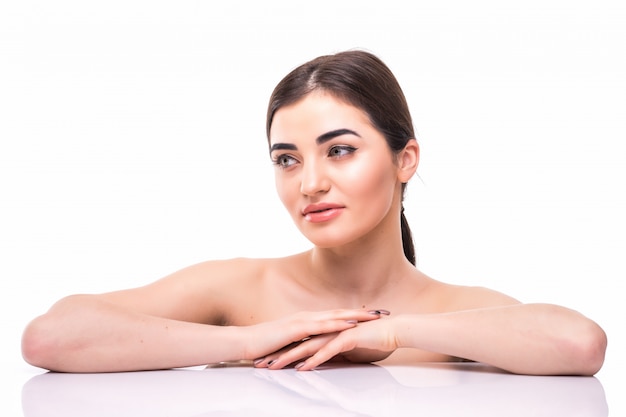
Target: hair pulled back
{"x":363,"y":80}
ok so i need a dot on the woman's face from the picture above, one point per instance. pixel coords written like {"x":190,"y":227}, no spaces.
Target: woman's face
{"x":335,"y":173}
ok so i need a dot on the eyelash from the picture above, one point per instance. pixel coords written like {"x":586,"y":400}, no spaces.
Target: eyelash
{"x":279,"y":161}
{"x":285,"y":161}
{"x":344,"y":148}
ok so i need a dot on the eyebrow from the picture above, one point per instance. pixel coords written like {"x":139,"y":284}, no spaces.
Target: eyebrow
{"x":323,"y":138}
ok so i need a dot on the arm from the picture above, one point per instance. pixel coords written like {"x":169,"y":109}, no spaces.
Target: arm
{"x":84,"y":333}
{"x":539,"y":339}
{"x":169,"y":323}
{"x":87,"y":333}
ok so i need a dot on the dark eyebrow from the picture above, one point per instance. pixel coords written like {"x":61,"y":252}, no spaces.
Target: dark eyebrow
{"x":286,"y":146}
{"x":333,"y":134}
{"x":320,"y":139}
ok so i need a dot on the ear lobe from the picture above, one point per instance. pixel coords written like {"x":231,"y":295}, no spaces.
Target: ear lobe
{"x":408,"y":160}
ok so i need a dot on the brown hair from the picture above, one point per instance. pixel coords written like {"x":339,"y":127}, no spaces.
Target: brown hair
{"x":363,"y":80}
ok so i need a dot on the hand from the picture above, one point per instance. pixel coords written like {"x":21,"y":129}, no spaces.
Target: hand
{"x":270,"y":337}
{"x":367,"y":342}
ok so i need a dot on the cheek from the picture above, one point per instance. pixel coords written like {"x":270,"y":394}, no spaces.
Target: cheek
{"x":285,"y":190}
{"x":369,"y":178}
{"x":280,"y":188}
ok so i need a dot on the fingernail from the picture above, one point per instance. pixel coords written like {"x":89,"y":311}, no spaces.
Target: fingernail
{"x":300,"y":365}
{"x":271,"y":362}
{"x":352,"y":321}
{"x":258,"y":361}
{"x":385,"y":312}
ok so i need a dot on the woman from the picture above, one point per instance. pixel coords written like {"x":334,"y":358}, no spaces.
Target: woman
{"x":341,"y":139}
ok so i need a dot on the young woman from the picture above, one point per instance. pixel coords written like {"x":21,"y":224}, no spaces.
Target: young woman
{"x":341,"y":139}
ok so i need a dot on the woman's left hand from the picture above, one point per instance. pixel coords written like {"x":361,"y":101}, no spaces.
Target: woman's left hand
{"x":367,"y":342}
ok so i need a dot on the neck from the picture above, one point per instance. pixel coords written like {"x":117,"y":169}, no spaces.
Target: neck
{"x":363,"y":270}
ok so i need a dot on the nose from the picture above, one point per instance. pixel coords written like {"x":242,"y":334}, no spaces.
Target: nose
{"x":314,"y":179}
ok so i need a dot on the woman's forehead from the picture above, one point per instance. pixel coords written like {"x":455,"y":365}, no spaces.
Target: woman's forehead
{"x":316,"y":113}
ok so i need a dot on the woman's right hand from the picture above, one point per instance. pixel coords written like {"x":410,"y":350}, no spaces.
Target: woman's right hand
{"x":267,"y":338}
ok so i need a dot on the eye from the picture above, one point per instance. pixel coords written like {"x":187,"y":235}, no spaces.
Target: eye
{"x":339,"y":151}
{"x":284,"y":161}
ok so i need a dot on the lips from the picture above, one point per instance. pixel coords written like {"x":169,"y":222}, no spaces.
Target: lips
{"x":321,"y":212}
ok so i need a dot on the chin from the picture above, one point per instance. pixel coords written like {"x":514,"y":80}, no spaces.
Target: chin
{"x":329,"y":239}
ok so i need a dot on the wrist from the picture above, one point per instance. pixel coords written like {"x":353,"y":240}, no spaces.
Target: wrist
{"x":221,"y":344}
{"x":238,"y":346}
{"x":404,"y":328}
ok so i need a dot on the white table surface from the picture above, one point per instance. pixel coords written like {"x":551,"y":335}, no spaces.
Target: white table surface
{"x":339,"y":390}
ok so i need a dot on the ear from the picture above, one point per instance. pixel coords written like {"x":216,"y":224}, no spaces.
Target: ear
{"x":408,"y":159}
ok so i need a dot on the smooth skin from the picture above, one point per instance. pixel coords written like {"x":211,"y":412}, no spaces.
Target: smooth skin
{"x":354,"y":296}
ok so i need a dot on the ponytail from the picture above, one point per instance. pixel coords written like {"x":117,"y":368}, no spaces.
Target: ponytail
{"x":407,"y":238}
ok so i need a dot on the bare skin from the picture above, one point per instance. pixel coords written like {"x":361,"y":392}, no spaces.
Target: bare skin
{"x":325,"y":304}
{"x":264,"y":299}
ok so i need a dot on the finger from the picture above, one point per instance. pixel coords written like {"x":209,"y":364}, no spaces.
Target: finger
{"x":306,"y":324}
{"x":270,"y":337}
{"x":359,"y":314}
{"x":275,"y":335}
{"x":300,"y":352}
{"x":339,"y":344}
{"x":311,"y":324}
{"x":264,"y":361}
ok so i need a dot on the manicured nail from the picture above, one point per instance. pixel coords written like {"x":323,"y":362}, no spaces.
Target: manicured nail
{"x":300,"y":365}
{"x":258,"y":361}
{"x":385,"y":312}
{"x":352,"y":321}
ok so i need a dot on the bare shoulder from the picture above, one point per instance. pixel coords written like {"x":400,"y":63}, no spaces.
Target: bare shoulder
{"x":196,"y":293}
{"x":461,"y":297}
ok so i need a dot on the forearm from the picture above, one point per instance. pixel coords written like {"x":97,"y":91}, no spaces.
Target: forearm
{"x":527,"y":339}
{"x":86,"y":334}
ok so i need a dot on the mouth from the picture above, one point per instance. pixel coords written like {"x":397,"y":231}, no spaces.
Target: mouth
{"x":316,"y":213}
{"x":320,"y":208}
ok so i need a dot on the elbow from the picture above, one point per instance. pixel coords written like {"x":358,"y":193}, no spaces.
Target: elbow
{"x":588,"y":350}
{"x":45,"y":341}
{"x":594,"y":350}
{"x":54,"y":341}
{"x":37,"y":344}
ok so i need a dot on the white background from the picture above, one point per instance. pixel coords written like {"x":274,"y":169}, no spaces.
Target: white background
{"x":132,"y":144}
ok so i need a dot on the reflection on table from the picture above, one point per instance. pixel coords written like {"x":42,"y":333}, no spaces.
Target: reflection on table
{"x":446,"y":389}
